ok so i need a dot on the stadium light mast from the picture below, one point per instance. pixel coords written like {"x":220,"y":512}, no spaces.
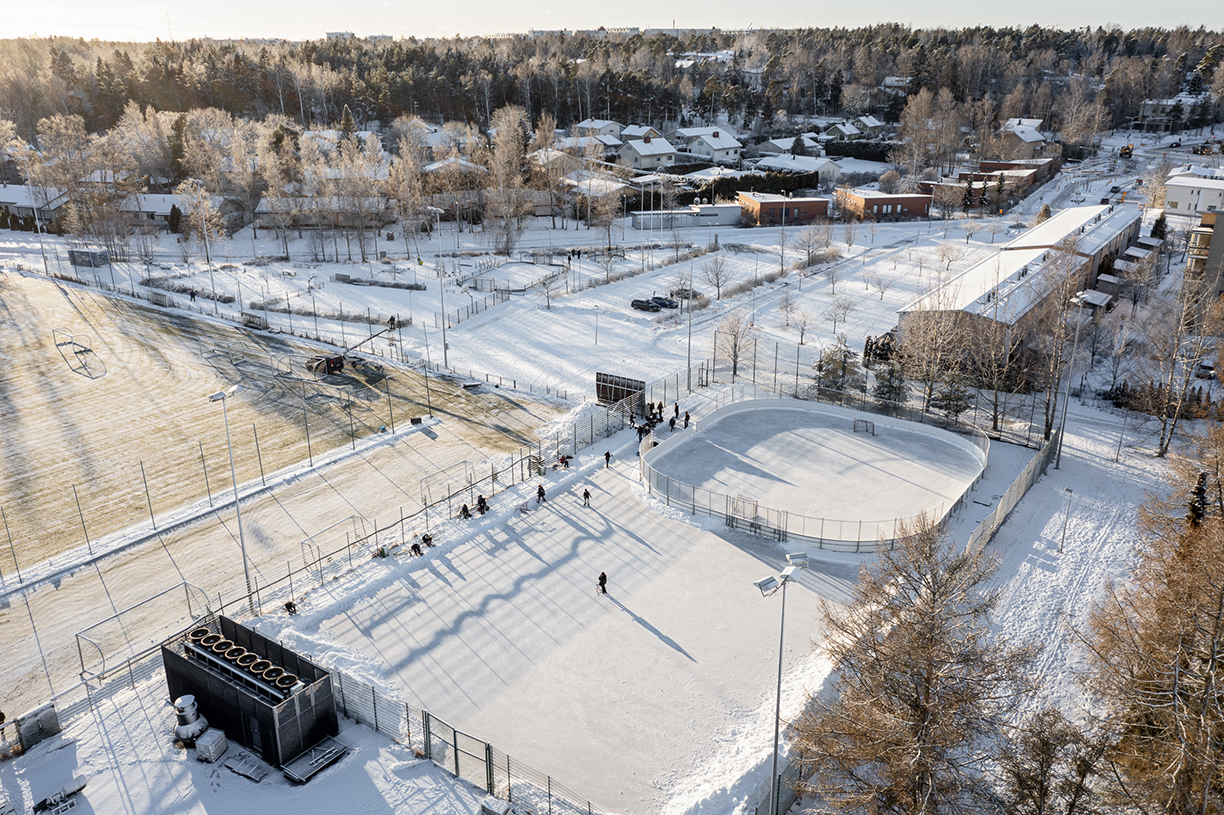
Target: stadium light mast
{"x":770,"y":586}
{"x":442,"y":279}
{"x":222,"y":396}
{"x":1077,"y":302}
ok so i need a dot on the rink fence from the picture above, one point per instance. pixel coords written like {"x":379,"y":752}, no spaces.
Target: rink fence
{"x":857,"y":535}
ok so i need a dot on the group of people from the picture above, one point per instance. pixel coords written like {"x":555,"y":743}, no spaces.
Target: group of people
{"x":482,"y":506}
{"x":426,"y":539}
{"x":654,"y":417}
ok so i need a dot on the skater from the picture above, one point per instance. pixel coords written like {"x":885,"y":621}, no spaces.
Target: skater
{"x":291,"y":607}
{"x":465,"y":513}
{"x":416,"y":550}
{"x":686,"y":420}
{"x":482,"y":506}
{"x":193,"y":295}
{"x":607,"y":460}
{"x":427,"y":539}
{"x":603,"y":583}
{"x":586,"y":498}
{"x":641,"y":431}
{"x":677,"y":407}
{"x":672,"y":423}
{"x":540,"y":495}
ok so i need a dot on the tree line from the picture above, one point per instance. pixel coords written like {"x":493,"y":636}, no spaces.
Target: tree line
{"x":753,"y":78}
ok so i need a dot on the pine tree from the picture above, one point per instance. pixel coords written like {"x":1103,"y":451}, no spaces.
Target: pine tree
{"x":952,"y":399}
{"x":1044,"y":214}
{"x":1198,"y":502}
{"x":1160,"y":227}
{"x":347,"y":126}
{"x":175,"y":220}
{"x":967,"y":198}
{"x":890,"y":384}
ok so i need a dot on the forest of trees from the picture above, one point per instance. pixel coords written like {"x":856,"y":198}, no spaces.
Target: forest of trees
{"x":1035,"y":72}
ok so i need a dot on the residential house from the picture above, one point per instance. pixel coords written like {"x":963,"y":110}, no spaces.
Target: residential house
{"x":875,"y":205}
{"x":25,"y":202}
{"x":1022,"y":141}
{"x":557,"y":161}
{"x":764,"y":208}
{"x":826,"y":170}
{"x":871,"y":126}
{"x":647,"y":154}
{"x":1045,"y":167}
{"x":639,"y":132}
{"x":841,"y":131}
{"x":150,"y":209}
{"x":1157,"y":114}
{"x":597,"y":127}
{"x":606,"y":147}
{"x":1193,"y":195}
{"x":810,"y":145}
{"x":716,"y":145}
{"x":1018,"y":122}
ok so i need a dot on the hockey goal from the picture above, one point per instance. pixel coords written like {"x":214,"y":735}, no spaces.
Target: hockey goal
{"x":864,"y":426}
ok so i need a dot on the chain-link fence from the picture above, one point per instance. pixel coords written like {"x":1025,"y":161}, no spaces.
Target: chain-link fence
{"x":1017,"y":418}
{"x":1034,"y":470}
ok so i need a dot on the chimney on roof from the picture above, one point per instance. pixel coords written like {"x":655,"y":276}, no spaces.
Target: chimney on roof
{"x":716,"y":134}
{"x":645,"y":140}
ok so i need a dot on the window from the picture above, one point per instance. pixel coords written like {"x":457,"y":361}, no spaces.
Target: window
{"x":1172,"y":204}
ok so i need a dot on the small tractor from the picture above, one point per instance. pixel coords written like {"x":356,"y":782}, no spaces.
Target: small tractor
{"x":1127,"y":151}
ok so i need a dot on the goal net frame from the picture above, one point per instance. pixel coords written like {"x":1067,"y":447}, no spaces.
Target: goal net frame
{"x":864,"y":426}
{"x":744,"y":507}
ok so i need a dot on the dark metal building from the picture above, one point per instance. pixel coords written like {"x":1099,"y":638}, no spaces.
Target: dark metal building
{"x":264,"y":696}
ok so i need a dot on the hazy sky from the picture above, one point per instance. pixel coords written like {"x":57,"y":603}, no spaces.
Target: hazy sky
{"x":310,"y":19}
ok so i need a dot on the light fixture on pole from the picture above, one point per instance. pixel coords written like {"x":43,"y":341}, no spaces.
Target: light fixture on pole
{"x":222,"y":396}
{"x":442,"y":281}
{"x":770,"y":586}
{"x":1062,"y":425}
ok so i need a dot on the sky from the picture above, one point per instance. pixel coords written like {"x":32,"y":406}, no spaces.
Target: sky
{"x":143,"y":20}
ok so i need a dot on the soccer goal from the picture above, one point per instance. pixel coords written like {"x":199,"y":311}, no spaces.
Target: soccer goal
{"x":864,"y":426}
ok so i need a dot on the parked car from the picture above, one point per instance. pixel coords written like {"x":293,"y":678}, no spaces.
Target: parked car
{"x":664,"y":302}
{"x":645,"y":305}
{"x":684,"y":294}
{"x":1115,"y":189}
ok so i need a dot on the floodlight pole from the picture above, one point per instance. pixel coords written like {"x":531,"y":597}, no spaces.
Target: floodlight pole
{"x":442,"y":282}
{"x":222,"y":396}
{"x":797,"y":561}
{"x":1062,"y":425}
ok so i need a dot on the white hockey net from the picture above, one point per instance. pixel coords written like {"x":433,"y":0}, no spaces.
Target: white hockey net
{"x":864,"y":426}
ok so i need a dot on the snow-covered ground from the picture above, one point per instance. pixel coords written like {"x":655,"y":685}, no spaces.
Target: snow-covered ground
{"x":655,"y":698}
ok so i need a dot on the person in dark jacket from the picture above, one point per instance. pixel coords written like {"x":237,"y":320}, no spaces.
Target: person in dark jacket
{"x":540,"y":495}
{"x":603,"y":583}
{"x":586,"y":498}
{"x":607,"y":460}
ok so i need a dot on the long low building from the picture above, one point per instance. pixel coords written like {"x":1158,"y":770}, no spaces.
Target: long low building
{"x":1062,"y":255}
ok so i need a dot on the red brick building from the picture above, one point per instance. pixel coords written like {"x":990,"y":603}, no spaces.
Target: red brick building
{"x":766,"y":208}
{"x":875,"y":205}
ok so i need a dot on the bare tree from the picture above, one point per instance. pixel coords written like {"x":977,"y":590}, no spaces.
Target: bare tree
{"x":808,"y":242}
{"x":715,"y":272}
{"x":802,"y":320}
{"x":850,"y":231}
{"x":509,"y":206}
{"x":838,"y":310}
{"x":922,"y":688}
{"x":786,"y":305}
{"x":949,"y":254}
{"x":971,"y":227}
{"x":735,"y":336}
{"x":883,"y":282}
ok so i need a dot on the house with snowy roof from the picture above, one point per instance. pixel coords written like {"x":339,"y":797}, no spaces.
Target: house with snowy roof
{"x":597,"y":127}
{"x":1022,"y":141}
{"x":841,"y":131}
{"x":647,"y":154}
{"x":870,"y":125}
{"x":639,"y":132}
{"x":1193,"y":195}
{"x":716,"y":145}
{"x":811,"y":146}
{"x":826,"y":170}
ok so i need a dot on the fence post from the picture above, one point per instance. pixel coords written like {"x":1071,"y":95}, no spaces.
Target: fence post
{"x":489,"y":767}
{"x":427,"y":730}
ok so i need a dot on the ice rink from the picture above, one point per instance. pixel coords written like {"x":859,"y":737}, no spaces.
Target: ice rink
{"x":809,"y":461}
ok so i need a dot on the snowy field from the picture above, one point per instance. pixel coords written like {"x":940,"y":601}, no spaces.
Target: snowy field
{"x":657,"y":698}
{"x":811,"y":462}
